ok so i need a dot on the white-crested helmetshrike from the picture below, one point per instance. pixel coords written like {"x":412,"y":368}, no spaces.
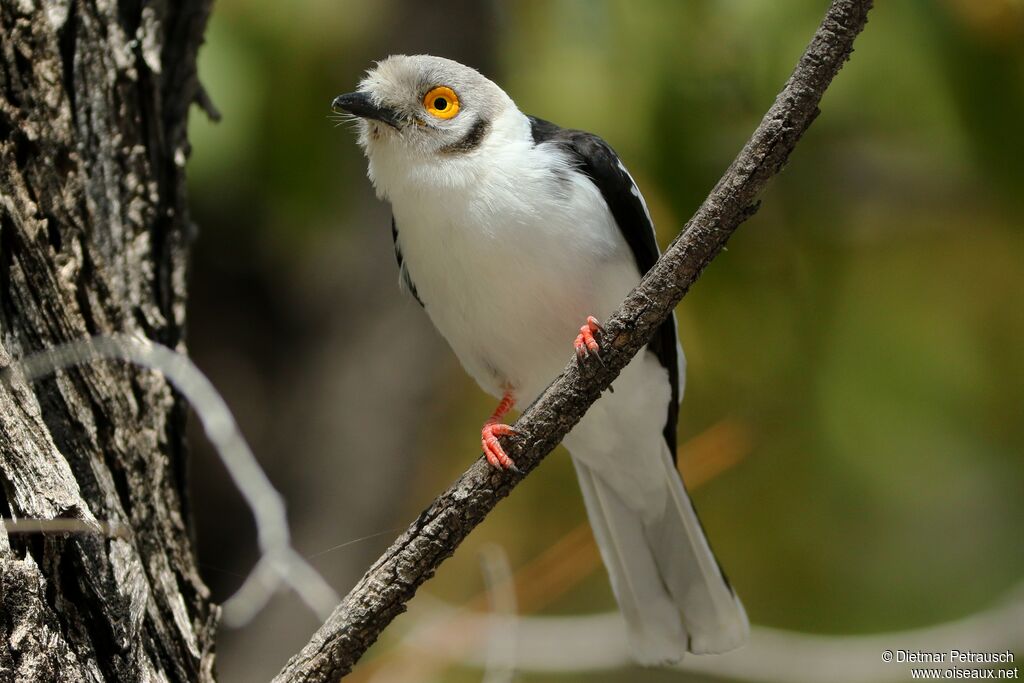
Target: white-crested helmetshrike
{"x":510,"y":232}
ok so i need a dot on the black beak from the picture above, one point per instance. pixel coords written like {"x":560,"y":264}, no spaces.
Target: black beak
{"x":360,"y":104}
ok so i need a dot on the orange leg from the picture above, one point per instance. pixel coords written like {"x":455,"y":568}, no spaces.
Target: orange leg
{"x":492,"y":429}
{"x":586,"y":343}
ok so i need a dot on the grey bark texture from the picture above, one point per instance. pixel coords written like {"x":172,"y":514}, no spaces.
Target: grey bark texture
{"x":391,"y":582}
{"x":94,"y":231}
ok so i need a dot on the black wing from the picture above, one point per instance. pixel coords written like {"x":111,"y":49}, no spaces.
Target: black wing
{"x":403,"y":270}
{"x":596,"y":159}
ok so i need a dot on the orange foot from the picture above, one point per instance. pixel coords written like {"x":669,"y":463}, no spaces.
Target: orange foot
{"x":490,"y":432}
{"x":586,"y":341}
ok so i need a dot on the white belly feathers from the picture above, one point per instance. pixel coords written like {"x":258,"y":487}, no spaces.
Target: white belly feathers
{"x":494,"y":272}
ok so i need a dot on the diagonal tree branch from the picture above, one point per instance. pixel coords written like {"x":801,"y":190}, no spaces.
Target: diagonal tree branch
{"x":392,"y":581}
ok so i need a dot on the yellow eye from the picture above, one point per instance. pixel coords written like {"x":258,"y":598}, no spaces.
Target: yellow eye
{"x":441,"y":102}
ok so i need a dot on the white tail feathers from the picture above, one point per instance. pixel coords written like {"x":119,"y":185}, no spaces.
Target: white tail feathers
{"x":669,"y":587}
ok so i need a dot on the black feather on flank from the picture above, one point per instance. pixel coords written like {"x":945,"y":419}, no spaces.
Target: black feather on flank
{"x":403,"y":270}
{"x":594,"y":158}
{"x":469,"y":141}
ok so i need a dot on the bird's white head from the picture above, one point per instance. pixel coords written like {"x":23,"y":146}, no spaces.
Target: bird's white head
{"x":427,"y":121}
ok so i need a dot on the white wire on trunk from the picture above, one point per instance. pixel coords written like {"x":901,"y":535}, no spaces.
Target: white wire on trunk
{"x":279,"y":564}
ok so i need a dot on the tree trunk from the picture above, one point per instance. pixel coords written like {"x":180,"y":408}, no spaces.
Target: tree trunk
{"x":94,"y":234}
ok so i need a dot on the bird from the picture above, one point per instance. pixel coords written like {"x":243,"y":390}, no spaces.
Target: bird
{"x":516,"y":235}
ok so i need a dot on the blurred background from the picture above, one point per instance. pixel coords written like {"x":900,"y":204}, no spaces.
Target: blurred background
{"x":854,"y":414}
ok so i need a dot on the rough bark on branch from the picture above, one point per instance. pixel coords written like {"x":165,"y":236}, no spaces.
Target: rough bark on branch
{"x":93,"y":238}
{"x":392,"y":581}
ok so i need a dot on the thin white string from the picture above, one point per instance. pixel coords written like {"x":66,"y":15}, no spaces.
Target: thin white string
{"x":280,"y":563}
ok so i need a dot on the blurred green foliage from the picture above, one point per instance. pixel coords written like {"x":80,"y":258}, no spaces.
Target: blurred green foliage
{"x":867,"y":325}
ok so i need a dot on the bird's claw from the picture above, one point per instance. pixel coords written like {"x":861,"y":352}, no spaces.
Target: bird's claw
{"x":586,"y":343}
{"x":493,"y":451}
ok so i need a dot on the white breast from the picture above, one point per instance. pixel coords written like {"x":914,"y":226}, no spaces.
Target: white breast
{"x":510,"y":251}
